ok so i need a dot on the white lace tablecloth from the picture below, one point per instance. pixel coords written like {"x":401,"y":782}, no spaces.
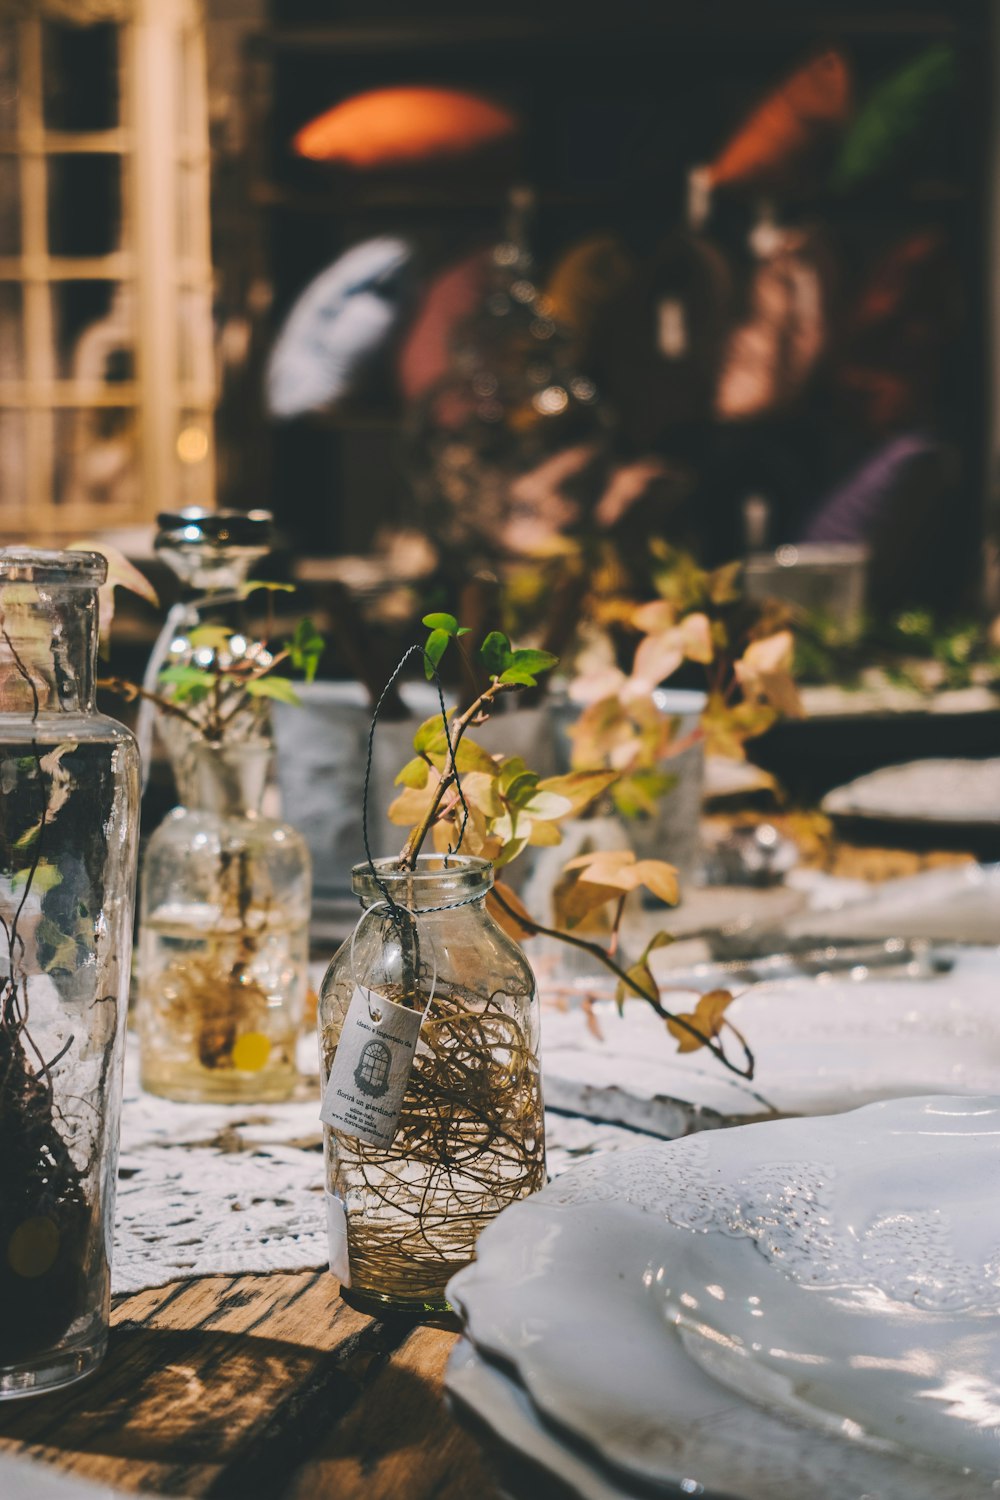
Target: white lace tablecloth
{"x":229,"y":1190}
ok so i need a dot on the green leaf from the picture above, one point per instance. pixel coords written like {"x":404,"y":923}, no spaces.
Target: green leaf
{"x":521,"y":789}
{"x":900,"y":112}
{"x":414,"y":774}
{"x":469,"y":757}
{"x":464,"y":630}
{"x":527,"y":660}
{"x":495,"y":652}
{"x":639,"y":793}
{"x":519,"y":676}
{"x":187,"y":677}
{"x":510,"y":770}
{"x":437,"y":645}
{"x":305,"y":649}
{"x":278,"y":688}
{"x":444,"y":622}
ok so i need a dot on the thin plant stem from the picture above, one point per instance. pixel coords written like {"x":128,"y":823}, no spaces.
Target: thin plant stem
{"x":537,"y":929}
{"x":481,"y":706}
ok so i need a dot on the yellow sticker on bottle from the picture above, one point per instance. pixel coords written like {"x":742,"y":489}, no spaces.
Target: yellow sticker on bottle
{"x":33,"y":1247}
{"x":251,"y":1052}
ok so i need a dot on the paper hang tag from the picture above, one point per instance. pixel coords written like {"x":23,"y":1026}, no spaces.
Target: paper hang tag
{"x":371,"y":1068}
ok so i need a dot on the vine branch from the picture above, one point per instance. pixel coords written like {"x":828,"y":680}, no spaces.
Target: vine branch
{"x":537,"y":929}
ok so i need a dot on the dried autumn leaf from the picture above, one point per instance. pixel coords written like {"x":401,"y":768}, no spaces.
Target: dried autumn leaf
{"x":655,"y":617}
{"x":576,"y":902}
{"x":121,"y":575}
{"x":611,"y":867}
{"x":590,"y":1019}
{"x":580,"y":788}
{"x":727,"y":729}
{"x":708,"y":1018}
{"x":594,"y":687}
{"x":478,"y":838}
{"x":656,"y":658}
{"x":660,"y":878}
{"x":696,"y":638}
{"x":598,"y":730}
{"x":544,"y":835}
{"x":411,"y":806}
{"x":764,"y":673}
{"x":504,"y":919}
{"x":724,"y":583}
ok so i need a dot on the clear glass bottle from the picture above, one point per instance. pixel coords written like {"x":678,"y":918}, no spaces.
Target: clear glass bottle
{"x":212,"y":552}
{"x":223,"y":937}
{"x":69,"y":804}
{"x":470,"y":1137}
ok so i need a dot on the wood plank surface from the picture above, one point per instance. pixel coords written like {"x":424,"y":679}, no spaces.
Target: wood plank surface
{"x":258,"y":1388}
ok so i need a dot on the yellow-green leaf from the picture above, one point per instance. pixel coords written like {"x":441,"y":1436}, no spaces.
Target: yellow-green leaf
{"x":214,"y":637}
{"x":659,"y":877}
{"x":580,"y":788}
{"x":414,"y":773}
{"x":544,"y":835}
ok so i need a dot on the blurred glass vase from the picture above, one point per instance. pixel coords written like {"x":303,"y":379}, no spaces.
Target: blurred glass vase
{"x":223,"y":936}
{"x":69,"y":779}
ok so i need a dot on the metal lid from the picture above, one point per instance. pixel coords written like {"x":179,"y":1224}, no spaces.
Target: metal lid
{"x":195,"y":526}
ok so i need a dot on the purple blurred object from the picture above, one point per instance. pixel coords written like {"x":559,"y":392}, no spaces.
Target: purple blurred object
{"x":852,"y":511}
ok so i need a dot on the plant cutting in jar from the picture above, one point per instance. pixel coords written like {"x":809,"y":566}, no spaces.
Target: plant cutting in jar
{"x":432,"y":969}
{"x":225,"y":889}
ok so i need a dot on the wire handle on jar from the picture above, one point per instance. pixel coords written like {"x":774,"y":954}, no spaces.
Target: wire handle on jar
{"x":396,"y":915}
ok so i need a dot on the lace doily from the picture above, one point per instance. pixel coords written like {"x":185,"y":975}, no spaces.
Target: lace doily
{"x":227,"y":1190}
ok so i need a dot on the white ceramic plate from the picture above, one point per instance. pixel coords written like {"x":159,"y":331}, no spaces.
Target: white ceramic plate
{"x":848,"y":1270}
{"x":823,"y":1043}
{"x":923,"y":791}
{"x":503,"y":1406}
{"x":560,"y":1295}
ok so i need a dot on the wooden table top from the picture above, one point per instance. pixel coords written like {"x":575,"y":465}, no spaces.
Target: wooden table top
{"x":258,"y":1388}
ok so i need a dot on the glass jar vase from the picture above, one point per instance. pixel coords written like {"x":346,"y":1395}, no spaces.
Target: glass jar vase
{"x":69,"y":817}
{"x":211,"y":552}
{"x":223,"y":937}
{"x":469,"y":1136}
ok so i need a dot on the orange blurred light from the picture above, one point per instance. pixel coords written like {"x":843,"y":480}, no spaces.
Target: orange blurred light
{"x":390,"y":127}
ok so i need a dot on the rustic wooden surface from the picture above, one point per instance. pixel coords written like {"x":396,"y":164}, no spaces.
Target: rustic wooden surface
{"x":258,"y":1388}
